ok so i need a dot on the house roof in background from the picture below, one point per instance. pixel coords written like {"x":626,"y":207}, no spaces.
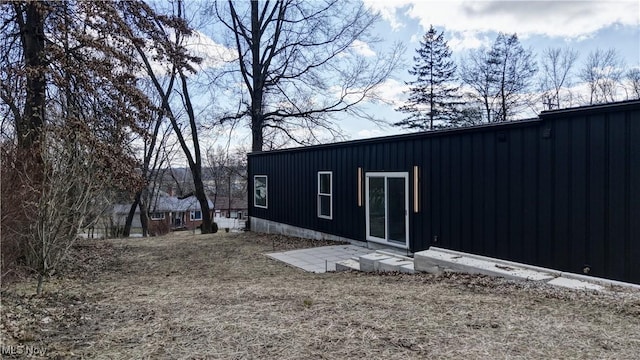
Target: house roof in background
{"x":165,"y":204}
{"x":222,"y":203}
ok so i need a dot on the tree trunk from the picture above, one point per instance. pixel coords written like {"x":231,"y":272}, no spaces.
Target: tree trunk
{"x":144,"y":219}
{"x":257,"y":121}
{"x":29,"y":128}
{"x":202,"y":199}
{"x":487,"y":109}
{"x":132,"y":211}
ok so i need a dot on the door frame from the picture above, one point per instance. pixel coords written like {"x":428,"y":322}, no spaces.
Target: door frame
{"x":386,"y":240}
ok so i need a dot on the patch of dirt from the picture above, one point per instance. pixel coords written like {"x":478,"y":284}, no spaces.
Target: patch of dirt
{"x":185,"y":296}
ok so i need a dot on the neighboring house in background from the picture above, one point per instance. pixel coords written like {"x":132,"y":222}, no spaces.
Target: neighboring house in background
{"x":231,"y":216}
{"x":170,"y":212}
{"x":236,"y":210}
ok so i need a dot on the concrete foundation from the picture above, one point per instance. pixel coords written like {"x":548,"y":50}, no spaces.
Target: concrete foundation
{"x":272,"y":227}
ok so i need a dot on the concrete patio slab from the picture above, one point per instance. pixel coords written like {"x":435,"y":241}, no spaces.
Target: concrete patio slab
{"x":319,"y":259}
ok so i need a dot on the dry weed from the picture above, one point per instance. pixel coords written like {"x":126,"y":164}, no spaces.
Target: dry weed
{"x":186,"y":296}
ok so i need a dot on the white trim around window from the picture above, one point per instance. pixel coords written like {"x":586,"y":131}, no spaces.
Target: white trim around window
{"x":260,"y":191}
{"x":157,"y":215}
{"x":195,"y":215}
{"x":325,"y":194}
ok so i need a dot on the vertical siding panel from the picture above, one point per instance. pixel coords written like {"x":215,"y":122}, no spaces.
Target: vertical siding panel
{"x":302,"y":173}
{"x":425,"y":161}
{"x":633,"y":216}
{"x":545,"y":195}
{"x":502,"y":194}
{"x":477,"y":182}
{"x":309,"y":211}
{"x":362,"y":154}
{"x":422,"y":221}
{"x":490,"y":185}
{"x":371,"y":153}
{"x":530,"y":193}
{"x":455,"y":182}
{"x":466,"y":182}
{"x":562,"y":195}
{"x":352,"y":186}
{"x":578,"y":188}
{"x":445,"y":186}
{"x":435,"y":192}
{"x":343,"y":193}
{"x":516,"y":211}
{"x":597,"y":206}
{"x":348,"y":194}
{"x":614,"y":261}
{"x":386,"y":155}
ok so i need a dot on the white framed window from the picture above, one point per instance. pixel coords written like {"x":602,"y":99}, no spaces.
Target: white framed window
{"x":325,"y":194}
{"x":260,"y":191}
{"x":195,"y":215}
{"x":157,"y":216}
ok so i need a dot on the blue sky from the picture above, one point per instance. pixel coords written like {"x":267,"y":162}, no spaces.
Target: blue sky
{"x":581,"y":25}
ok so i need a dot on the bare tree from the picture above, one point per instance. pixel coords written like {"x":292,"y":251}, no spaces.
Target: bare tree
{"x":68,"y":87}
{"x":602,"y":72}
{"x":557,"y":65}
{"x":633,"y":83}
{"x":302,"y":62}
{"x":478,"y":74}
{"x":514,"y":70}
{"x":167,"y":47}
{"x":153,"y":159}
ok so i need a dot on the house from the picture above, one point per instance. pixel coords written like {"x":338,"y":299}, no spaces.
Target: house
{"x":236,"y":208}
{"x":166,"y":213}
{"x":560,"y":191}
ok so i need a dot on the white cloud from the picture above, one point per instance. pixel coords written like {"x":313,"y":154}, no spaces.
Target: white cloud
{"x":388,"y":10}
{"x":213,"y":54}
{"x":465,"y":21}
{"x":369,"y":133}
{"x":465,"y":40}
{"x":392,"y":92}
{"x":362,"y":48}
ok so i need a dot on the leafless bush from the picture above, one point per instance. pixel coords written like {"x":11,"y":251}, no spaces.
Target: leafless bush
{"x":158,"y":228}
{"x":13,"y":216}
{"x":68,"y":187}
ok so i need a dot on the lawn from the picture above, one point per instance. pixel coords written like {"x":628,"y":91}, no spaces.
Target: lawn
{"x":186,"y":296}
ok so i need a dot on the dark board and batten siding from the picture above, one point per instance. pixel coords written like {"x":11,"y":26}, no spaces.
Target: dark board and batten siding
{"x":561,"y":191}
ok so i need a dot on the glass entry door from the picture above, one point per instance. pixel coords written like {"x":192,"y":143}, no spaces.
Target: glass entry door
{"x":387,"y":209}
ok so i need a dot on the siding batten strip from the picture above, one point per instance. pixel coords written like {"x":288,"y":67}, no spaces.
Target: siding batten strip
{"x":416,"y":207}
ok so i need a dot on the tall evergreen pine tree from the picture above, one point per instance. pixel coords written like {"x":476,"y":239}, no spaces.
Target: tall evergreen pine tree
{"x":433,"y":97}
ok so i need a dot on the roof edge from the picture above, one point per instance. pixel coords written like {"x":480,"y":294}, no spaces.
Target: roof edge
{"x":408,"y":136}
{"x":580,"y":110}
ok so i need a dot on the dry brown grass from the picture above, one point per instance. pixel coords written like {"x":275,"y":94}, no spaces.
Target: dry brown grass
{"x":218,"y":296}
